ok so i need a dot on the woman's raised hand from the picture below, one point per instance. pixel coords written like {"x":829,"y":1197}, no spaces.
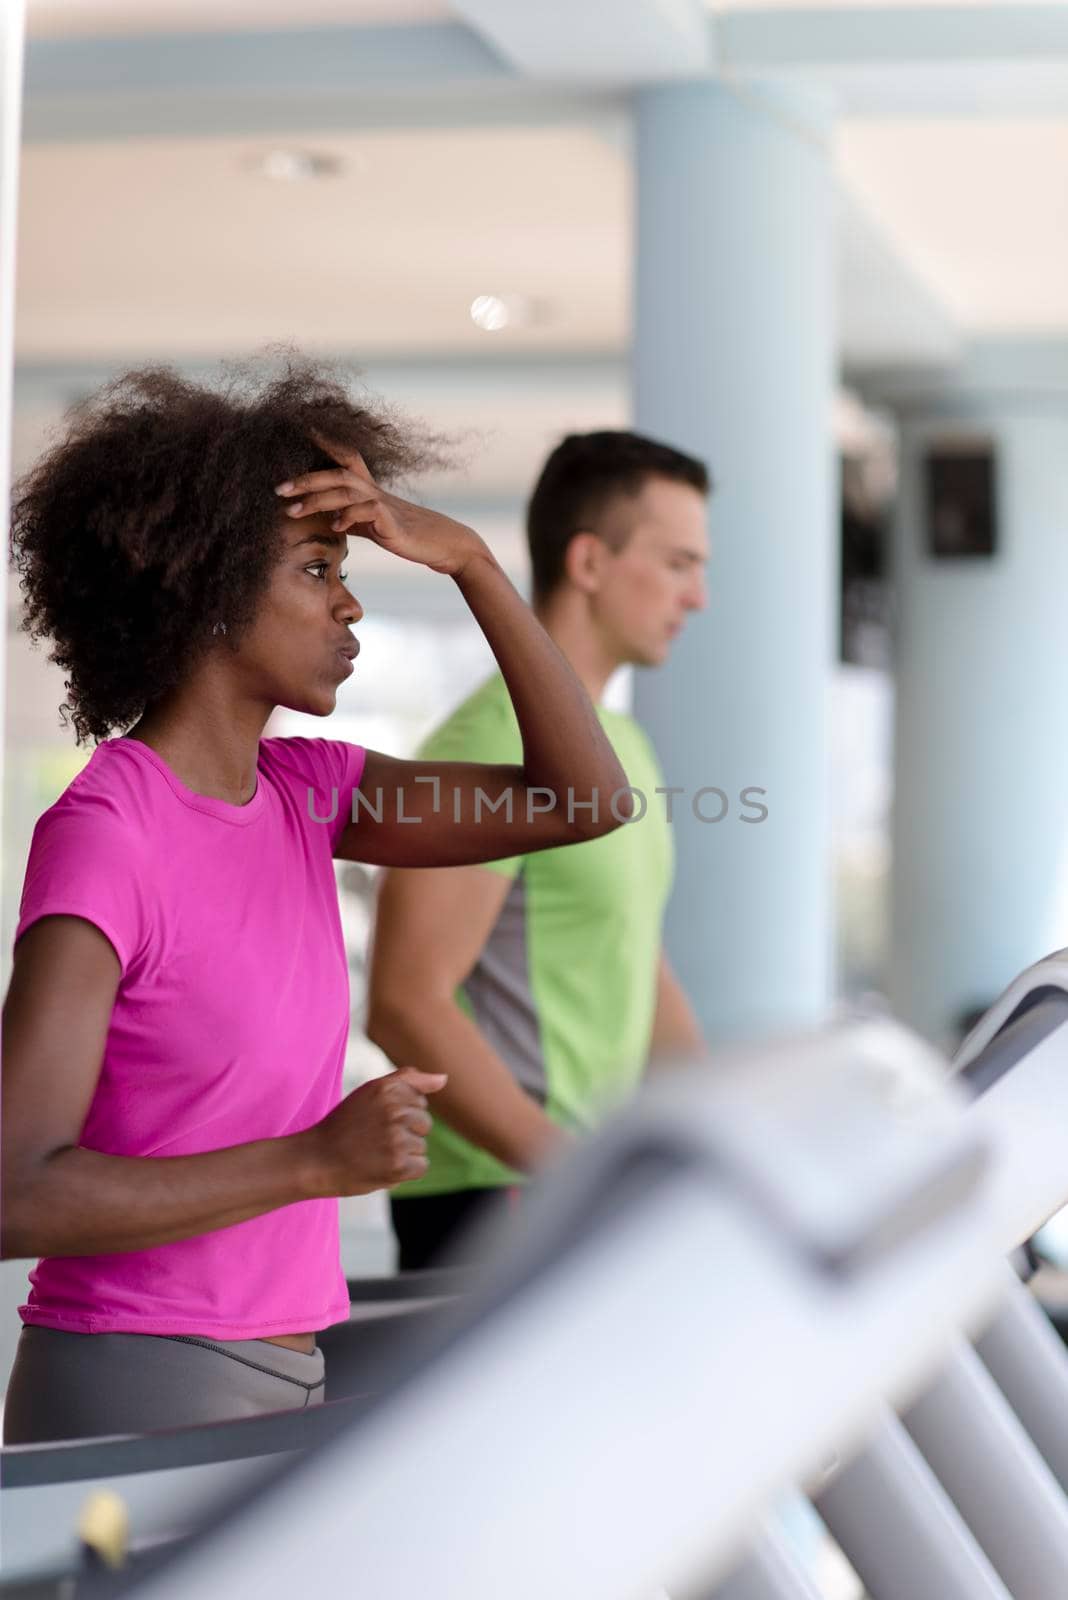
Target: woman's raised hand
{"x":361,"y":507}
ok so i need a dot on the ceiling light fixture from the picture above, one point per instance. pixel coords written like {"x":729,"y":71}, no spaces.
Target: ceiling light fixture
{"x":493,"y":312}
{"x":294,"y":166}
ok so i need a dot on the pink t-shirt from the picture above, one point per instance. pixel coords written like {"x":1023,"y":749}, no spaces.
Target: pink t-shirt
{"x":229,"y":1025}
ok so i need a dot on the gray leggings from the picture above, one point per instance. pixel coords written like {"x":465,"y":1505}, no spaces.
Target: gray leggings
{"x":83,"y":1385}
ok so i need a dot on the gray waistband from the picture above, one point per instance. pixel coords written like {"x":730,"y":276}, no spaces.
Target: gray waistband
{"x":74,"y":1385}
{"x":273,"y":1359}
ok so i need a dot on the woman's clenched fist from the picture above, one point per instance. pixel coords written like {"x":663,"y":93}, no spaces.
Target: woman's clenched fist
{"x":376,"y":1137}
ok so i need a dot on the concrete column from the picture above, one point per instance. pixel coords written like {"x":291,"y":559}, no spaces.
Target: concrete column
{"x":734,"y":360}
{"x":980,"y":835}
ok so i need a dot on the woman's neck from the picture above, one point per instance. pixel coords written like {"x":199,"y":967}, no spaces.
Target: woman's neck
{"x":213,"y":753}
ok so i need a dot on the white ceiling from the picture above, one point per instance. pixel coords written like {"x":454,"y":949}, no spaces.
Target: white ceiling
{"x":171,"y":248}
{"x":980,"y":209}
{"x":74,"y":18}
{"x":87,"y":17}
{"x":175,"y":246}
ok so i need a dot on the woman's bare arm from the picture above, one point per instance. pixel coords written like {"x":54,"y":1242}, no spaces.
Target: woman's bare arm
{"x":61,"y":1199}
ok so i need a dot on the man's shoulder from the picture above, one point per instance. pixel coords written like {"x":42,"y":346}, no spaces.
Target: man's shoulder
{"x":481,"y":728}
{"x":631,"y":742}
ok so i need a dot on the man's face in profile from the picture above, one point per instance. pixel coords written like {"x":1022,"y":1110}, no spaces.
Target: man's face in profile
{"x":655,"y":575}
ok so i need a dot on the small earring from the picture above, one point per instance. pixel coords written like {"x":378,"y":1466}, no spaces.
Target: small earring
{"x":219,"y":627}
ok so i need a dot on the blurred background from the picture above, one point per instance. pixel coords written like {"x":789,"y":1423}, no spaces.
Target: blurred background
{"x":826,"y":249}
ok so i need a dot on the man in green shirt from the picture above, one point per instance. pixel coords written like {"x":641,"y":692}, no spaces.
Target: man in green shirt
{"x":539,"y":984}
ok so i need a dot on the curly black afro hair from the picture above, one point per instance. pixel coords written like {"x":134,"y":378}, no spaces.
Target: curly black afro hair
{"x":155,"y":517}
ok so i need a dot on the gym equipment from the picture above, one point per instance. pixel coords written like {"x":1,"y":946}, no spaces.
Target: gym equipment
{"x":167,"y":1481}
{"x":605,"y":1418}
{"x":969,"y":1493}
{"x":600,"y":1416}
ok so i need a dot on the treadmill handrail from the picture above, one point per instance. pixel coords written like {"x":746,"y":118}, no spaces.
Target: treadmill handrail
{"x":1039,"y":1014}
{"x":1049,"y":974}
{"x":30,"y":1466}
{"x":430,"y":1283}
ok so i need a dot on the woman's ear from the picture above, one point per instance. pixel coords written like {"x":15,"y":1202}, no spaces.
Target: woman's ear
{"x":584,"y":561}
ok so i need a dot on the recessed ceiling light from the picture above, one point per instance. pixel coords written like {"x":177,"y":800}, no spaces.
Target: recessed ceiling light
{"x":492,"y":312}
{"x":294,"y":166}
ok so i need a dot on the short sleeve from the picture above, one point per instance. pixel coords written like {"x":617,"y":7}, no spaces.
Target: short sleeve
{"x":330,"y":770}
{"x":85,"y":864}
{"x":488,"y":735}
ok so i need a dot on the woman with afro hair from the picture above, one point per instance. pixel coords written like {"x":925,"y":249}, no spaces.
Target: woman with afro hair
{"x":174,"y":1137}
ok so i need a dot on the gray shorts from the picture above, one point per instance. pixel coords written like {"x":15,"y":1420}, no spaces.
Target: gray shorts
{"x":83,"y":1385}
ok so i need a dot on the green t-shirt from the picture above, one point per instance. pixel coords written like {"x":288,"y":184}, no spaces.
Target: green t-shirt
{"x":565,"y":987}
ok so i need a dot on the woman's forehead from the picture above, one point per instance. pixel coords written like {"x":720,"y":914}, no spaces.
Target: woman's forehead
{"x":315,"y":530}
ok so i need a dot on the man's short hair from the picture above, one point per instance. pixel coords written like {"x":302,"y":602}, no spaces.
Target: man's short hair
{"x":584,"y":472}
